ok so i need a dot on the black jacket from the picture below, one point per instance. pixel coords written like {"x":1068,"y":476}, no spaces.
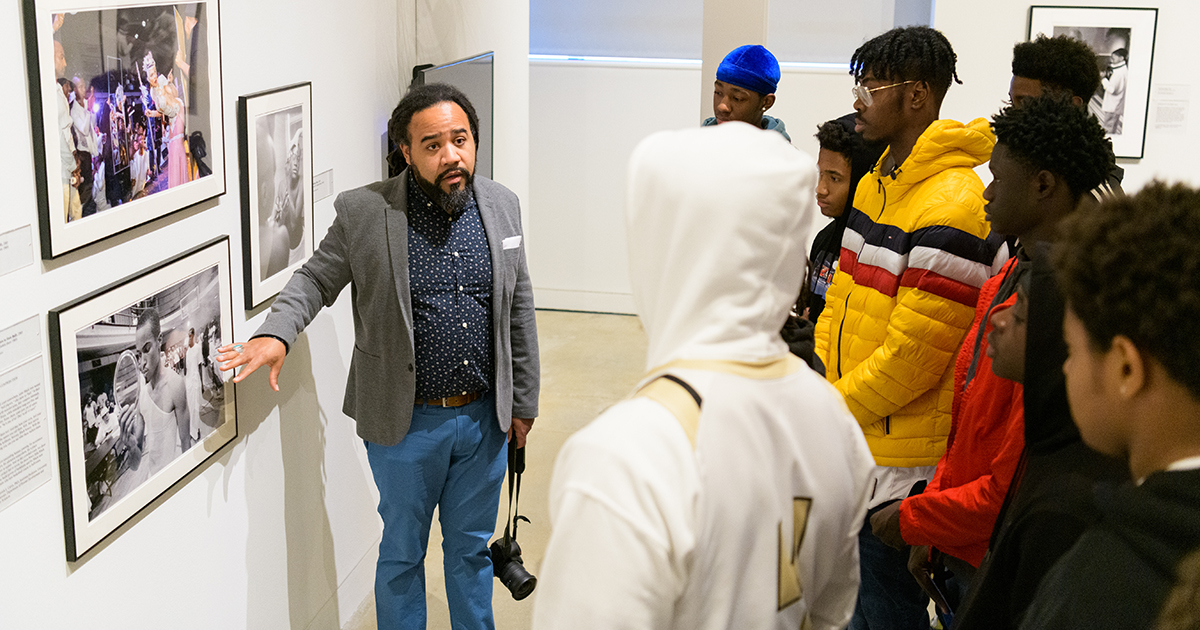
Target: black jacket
{"x":1050,"y":502}
{"x":1120,"y":572}
{"x":823,"y":257}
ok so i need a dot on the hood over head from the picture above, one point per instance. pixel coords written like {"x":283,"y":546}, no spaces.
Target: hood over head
{"x":716,"y":223}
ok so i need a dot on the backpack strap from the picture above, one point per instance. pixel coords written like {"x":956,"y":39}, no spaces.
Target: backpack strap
{"x":679,"y":398}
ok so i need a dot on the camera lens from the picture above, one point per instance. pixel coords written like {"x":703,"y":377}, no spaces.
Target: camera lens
{"x":517,"y":580}
{"x":508,"y":567}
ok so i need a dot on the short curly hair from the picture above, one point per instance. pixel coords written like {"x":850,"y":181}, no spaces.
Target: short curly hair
{"x":910,"y":53}
{"x":834,"y":136}
{"x":1059,"y":62}
{"x":1052,"y":134}
{"x":1129,"y":267}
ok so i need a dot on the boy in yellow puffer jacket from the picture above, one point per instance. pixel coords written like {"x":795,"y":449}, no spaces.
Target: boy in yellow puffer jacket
{"x":915,"y":252}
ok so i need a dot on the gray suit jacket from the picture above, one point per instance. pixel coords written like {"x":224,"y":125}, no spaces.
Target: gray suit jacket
{"x":367,"y":248}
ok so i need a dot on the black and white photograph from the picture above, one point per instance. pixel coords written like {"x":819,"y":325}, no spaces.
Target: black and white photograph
{"x":1123,"y":42}
{"x":141,"y":398}
{"x":127,"y":115}
{"x":1111,"y":46}
{"x":275,"y":129}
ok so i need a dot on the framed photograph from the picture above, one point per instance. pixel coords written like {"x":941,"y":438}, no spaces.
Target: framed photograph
{"x":1123,"y":41}
{"x":126,"y":107}
{"x":139,"y":398}
{"x":275,"y":147}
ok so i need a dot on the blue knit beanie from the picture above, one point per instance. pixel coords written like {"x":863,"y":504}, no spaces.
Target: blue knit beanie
{"x":751,"y":67}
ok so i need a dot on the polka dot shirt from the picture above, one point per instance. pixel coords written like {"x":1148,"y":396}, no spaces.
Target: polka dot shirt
{"x":450,"y":278}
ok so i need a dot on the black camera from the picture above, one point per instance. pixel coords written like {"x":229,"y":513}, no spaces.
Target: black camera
{"x":506,"y":553}
{"x":510,"y":569}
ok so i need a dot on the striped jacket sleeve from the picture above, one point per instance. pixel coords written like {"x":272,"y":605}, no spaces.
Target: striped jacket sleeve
{"x":934,"y":272}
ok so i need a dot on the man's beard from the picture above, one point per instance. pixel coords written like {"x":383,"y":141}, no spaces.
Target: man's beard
{"x":452,"y":202}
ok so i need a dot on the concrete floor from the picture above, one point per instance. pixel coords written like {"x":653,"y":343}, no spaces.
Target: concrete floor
{"x":589,"y":362}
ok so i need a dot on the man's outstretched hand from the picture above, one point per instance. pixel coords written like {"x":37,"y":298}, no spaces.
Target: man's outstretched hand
{"x":252,"y":355}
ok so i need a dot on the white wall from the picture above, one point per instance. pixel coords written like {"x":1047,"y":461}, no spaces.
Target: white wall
{"x":586,"y":118}
{"x":279,"y":530}
{"x":983,"y":35}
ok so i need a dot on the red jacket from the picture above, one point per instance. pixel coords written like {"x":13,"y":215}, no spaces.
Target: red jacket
{"x":957,"y":511}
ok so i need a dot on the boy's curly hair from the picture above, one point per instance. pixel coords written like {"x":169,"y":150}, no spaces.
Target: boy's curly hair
{"x":1130,"y":267}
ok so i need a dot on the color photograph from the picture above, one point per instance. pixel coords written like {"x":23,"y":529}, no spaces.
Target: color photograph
{"x":129,"y":100}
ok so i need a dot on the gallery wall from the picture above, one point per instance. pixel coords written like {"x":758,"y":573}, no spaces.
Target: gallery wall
{"x":585,"y":120}
{"x":278,"y":530}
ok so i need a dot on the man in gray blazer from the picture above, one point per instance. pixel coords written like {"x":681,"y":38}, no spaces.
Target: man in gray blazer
{"x":445,"y":355}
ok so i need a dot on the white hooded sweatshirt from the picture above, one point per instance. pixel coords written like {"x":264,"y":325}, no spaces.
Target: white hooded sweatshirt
{"x":744,"y":512}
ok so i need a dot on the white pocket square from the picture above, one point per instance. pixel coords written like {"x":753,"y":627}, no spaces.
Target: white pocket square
{"x":511,"y":242}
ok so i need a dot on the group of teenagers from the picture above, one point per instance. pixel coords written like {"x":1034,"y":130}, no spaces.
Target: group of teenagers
{"x":983,"y":396}
{"x":1018,"y":357}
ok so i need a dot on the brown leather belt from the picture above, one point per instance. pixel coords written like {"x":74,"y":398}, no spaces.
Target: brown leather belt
{"x":450,"y":401}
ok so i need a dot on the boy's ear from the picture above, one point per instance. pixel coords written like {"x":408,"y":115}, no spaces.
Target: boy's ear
{"x":1126,"y":367}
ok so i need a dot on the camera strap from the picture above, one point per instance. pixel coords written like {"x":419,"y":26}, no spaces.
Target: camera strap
{"x":516,"y":466}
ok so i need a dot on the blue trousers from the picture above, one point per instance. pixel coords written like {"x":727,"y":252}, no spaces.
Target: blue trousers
{"x":453,"y":458}
{"x":889,"y":597}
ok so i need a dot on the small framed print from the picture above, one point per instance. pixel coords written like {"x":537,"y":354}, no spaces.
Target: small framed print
{"x":127,"y":119}
{"x":139,"y":397}
{"x":1123,"y":42}
{"x":275,"y":146}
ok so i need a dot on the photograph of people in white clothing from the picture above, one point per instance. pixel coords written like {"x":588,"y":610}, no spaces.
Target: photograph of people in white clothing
{"x":280,"y":167}
{"x":1111,"y":45}
{"x":1122,"y":40}
{"x":275,"y":146}
{"x":128,"y":101}
{"x":141,"y":399}
{"x":147,"y":361}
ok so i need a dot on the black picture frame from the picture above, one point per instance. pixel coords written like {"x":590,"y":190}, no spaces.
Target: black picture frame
{"x":155,"y":141}
{"x":275,"y":150}
{"x":1122,"y":104}
{"x":118,"y":448}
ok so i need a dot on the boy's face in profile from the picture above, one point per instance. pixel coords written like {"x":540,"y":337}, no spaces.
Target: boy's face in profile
{"x":1006,"y":341}
{"x":1094,"y":407}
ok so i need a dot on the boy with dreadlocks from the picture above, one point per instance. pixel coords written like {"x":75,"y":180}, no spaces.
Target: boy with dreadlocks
{"x":915,"y":253}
